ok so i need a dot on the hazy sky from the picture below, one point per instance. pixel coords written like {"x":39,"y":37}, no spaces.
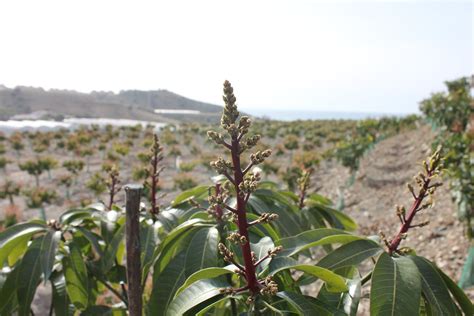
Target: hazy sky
{"x":309,"y":55}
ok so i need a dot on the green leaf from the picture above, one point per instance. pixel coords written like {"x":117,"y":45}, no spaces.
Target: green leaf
{"x":148,"y":244}
{"x":8,"y":295}
{"x":267,"y":229}
{"x":190,"y":194}
{"x":166,"y":284}
{"x":351,"y":299}
{"x":48,"y":252}
{"x":311,"y":238}
{"x":434,"y":288}
{"x":396,"y":287}
{"x":19,"y":249}
{"x":173,"y":242}
{"x":79,"y":214}
{"x":270,"y":201}
{"x":306,"y":305}
{"x":15,"y":236}
{"x":334,"y":282}
{"x":110,"y":252}
{"x":61,"y":303}
{"x":202,"y":250}
{"x":29,"y":275}
{"x":207,"y":273}
{"x":92,"y":238}
{"x":333,"y":215}
{"x":350,"y":254}
{"x":77,"y":282}
{"x":467,"y":276}
{"x":101,"y":310}
{"x":320,"y":199}
{"x":197,"y":293}
{"x":458,"y":294}
{"x":171,"y":217}
{"x":261,"y":249}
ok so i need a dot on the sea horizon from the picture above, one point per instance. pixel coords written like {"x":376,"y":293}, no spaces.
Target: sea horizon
{"x":294,"y":115}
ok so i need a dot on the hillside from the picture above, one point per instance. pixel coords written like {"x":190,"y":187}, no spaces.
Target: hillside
{"x":381,"y":184}
{"x":128,"y":104}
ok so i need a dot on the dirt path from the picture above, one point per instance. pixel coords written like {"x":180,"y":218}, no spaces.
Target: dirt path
{"x":381,"y":184}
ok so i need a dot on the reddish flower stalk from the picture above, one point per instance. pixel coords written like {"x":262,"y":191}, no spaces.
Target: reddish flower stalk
{"x":432,"y":169}
{"x":304,"y":184}
{"x":154,"y":175}
{"x":113,"y":185}
{"x":244,"y":183}
{"x":218,"y":212}
{"x":250,"y":275}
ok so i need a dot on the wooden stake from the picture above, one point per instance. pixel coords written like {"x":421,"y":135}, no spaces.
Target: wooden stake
{"x":132,"y":242}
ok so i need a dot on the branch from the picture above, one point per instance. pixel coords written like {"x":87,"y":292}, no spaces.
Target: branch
{"x":267,"y":256}
{"x":230,"y":208}
{"x":247,"y":197}
{"x":227,"y":175}
{"x":247,"y":169}
{"x":114,"y":291}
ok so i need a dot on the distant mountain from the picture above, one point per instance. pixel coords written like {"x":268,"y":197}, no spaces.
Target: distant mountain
{"x":128,"y":104}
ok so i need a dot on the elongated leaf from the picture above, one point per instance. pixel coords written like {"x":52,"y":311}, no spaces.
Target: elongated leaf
{"x":350,"y":254}
{"x":94,"y":240}
{"x":14,"y":236}
{"x":264,"y":200}
{"x":21,"y":245}
{"x":202,"y":251}
{"x":8,"y":295}
{"x":61,"y":303}
{"x":77,"y":282}
{"x":101,"y":310}
{"x":434,"y":288}
{"x":197,"y":293}
{"x":346,"y":300}
{"x":173,"y":243}
{"x":266,"y":228}
{"x":333,"y":215}
{"x":351,"y":299}
{"x":48,"y":252}
{"x":193,"y":193}
{"x":76,"y":216}
{"x":312,"y":238}
{"x":261,"y":249}
{"x":307,"y":306}
{"x":396,"y":287}
{"x":467,"y":276}
{"x":459,"y":295}
{"x":208,"y":273}
{"x":219,"y":307}
{"x":334,"y":282}
{"x":148,"y":240}
{"x":29,"y":275}
{"x":320,"y":199}
{"x":166,"y":284}
{"x":110,"y":252}
{"x":172,"y":217}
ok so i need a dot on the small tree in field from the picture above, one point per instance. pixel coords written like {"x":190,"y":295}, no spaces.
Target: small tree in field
{"x":9,"y":190}
{"x":66,"y":181}
{"x":48,"y":163}
{"x":16,"y":141}
{"x":3,"y":163}
{"x":97,"y":184}
{"x":37,"y":198}
{"x":74,"y":167}
{"x":34,"y":168}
